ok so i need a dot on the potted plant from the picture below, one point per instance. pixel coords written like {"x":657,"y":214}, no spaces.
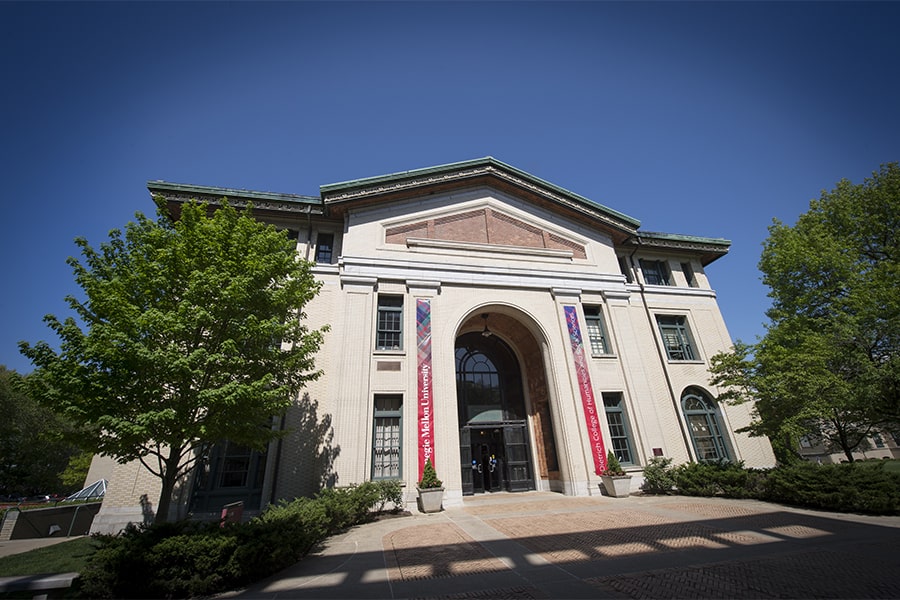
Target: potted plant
{"x":431,"y":490}
{"x":616,"y":483}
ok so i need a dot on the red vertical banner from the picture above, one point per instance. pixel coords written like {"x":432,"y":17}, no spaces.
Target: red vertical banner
{"x":425,"y":403}
{"x":588,"y":403}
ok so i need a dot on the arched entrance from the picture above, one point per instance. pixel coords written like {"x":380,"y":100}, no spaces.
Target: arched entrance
{"x":494,"y":447}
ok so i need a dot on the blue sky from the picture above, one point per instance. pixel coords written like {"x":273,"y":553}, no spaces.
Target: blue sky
{"x":707,"y":118}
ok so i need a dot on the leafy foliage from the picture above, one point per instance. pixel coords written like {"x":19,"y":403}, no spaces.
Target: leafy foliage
{"x":75,"y":474}
{"x":658,"y":477}
{"x":864,"y":487}
{"x":193,"y":329}
{"x":829,"y":364}
{"x":36,"y":443}
{"x":429,"y":477}
{"x":613,"y":466}
{"x":190,"y":559}
{"x":724,"y":478}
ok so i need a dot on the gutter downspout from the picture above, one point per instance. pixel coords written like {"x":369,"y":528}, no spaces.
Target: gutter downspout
{"x":661,"y":353}
{"x":281,"y":426}
{"x":308,"y":232}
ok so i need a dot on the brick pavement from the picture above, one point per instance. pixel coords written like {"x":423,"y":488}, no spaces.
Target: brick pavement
{"x":540,"y":545}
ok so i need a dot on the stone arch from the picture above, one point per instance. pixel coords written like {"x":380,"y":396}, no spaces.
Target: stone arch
{"x":523,"y":336}
{"x":705,"y":425}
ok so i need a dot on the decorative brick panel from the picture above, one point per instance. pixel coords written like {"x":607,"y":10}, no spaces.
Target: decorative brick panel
{"x":484,"y":226}
{"x":464,"y":227}
{"x":398,"y":235}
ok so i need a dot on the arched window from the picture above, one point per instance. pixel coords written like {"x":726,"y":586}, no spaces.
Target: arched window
{"x":488,"y":384}
{"x":702,"y":417}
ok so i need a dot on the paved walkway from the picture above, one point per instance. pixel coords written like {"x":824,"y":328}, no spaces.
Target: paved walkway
{"x":9,"y":547}
{"x":543,"y":545}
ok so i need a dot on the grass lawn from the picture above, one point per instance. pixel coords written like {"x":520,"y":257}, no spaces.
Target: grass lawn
{"x":58,"y":558}
{"x":890,"y":466}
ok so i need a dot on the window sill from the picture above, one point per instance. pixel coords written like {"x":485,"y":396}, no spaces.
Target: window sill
{"x":389,"y":352}
{"x":604,"y":356}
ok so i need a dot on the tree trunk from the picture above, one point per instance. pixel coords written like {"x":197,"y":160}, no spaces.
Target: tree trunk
{"x":169,"y":479}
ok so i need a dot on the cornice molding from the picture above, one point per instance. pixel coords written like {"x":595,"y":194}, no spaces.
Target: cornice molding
{"x":360,"y":191}
{"x":238,"y":202}
{"x":495,"y":248}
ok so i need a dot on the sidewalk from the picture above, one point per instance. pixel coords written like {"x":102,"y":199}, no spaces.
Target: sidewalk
{"x":18,"y":546}
{"x":543,"y":545}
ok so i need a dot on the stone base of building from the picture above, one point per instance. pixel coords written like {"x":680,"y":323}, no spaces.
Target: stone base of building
{"x":114,"y":520}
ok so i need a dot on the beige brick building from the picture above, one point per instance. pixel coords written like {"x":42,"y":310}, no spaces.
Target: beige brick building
{"x":509,"y":329}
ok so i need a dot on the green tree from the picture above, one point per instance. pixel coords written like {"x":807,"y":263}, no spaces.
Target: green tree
{"x":74,"y":477}
{"x":34,"y":449}
{"x":193,"y":333}
{"x":828,"y":365}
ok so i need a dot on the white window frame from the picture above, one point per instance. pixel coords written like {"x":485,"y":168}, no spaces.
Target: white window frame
{"x":659,"y":268}
{"x":387,"y":316}
{"x":387,"y":447}
{"x":677,"y":340}
{"x":595,"y":328}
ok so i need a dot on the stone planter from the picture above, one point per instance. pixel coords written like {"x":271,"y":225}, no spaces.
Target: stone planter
{"x":431,"y":499}
{"x":618,"y":486}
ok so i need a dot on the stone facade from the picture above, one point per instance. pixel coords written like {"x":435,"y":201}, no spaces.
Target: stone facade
{"x":501,"y":258}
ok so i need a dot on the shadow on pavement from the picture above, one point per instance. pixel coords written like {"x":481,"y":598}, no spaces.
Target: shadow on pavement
{"x":679,"y":548}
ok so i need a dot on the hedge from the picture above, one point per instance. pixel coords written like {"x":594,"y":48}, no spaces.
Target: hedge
{"x":189,"y":558}
{"x":847,"y":487}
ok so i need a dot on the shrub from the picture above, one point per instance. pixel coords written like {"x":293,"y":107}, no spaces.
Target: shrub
{"x":429,"y":477}
{"x":658,"y":478}
{"x":717,"y":479}
{"x":613,"y":466}
{"x":390,"y":490}
{"x":191,"y":564}
{"x":189,"y":559}
{"x":120,"y":567}
{"x":843,"y":487}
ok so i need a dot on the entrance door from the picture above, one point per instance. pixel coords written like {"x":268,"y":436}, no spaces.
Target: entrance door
{"x":493,"y":436}
{"x":518,"y":467}
{"x":486,"y":466}
{"x":467,"y":463}
{"x":494,"y":458}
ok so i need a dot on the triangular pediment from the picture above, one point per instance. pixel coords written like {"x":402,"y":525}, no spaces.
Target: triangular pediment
{"x":485,"y":172}
{"x":483,"y":226}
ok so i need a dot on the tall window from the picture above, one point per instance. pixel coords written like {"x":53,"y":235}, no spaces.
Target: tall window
{"x":324,"y":247}
{"x":702,"y":418}
{"x":625,"y":269}
{"x":389,"y":331}
{"x":235,"y":466}
{"x":656,"y":272}
{"x":596,"y":330}
{"x":488,"y":381}
{"x":386,"y":443}
{"x":676,"y":337}
{"x":232,"y":472}
{"x":688,"y":271}
{"x":620,"y":440}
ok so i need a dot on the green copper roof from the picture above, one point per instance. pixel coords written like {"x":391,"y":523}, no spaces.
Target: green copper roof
{"x":337,"y":194}
{"x":488,"y":161}
{"x":219,"y":192}
{"x":707,"y":249}
{"x":677,"y":237}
